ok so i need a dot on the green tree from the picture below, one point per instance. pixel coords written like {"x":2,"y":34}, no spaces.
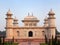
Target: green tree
{"x":46,"y":40}
{"x":0,"y":41}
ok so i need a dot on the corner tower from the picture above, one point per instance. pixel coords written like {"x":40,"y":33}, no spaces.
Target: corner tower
{"x":51,"y":18}
{"x":46,"y":22}
{"x":15,"y":22}
{"x":9,"y":25}
{"x":51,"y":21}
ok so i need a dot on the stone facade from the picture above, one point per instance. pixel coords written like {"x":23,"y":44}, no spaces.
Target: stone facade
{"x":30,"y":33}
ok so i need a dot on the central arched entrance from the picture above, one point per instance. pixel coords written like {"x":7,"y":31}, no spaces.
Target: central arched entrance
{"x":30,"y":34}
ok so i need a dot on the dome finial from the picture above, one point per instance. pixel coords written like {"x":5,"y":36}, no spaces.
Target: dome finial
{"x":32,"y":14}
{"x":28,"y":14}
{"x":46,"y":18}
{"x":15,"y":19}
{"x":51,"y":9}
{"x":51,"y":12}
{"x":9,"y":9}
{"x":9,"y":12}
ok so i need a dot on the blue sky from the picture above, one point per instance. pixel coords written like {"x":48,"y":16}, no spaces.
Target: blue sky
{"x":20,"y":9}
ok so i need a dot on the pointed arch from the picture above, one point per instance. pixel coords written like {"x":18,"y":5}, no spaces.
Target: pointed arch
{"x":30,"y":34}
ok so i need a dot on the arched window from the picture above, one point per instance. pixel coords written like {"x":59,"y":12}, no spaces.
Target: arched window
{"x":18,"y":34}
{"x":30,"y":34}
{"x":26,"y":24}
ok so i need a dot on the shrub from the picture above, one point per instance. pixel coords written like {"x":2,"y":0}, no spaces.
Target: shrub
{"x":43,"y":44}
{"x":8,"y":43}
